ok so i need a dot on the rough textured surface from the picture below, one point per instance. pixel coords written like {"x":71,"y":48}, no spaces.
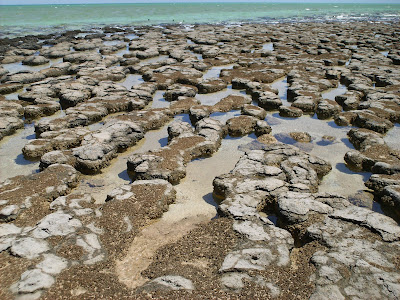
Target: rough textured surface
{"x":73,"y":233}
{"x":27,"y":195}
{"x":158,"y":101}
{"x":184,"y":145}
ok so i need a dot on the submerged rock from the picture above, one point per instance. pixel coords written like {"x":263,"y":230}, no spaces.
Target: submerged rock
{"x":303,"y":137}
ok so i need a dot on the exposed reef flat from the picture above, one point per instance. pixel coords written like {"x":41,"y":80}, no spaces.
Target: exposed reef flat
{"x":232,"y":162}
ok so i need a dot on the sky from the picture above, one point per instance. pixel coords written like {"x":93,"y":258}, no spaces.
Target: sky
{"x":24,"y":2}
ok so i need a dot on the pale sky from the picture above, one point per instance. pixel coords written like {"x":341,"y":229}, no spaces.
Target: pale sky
{"x":24,"y":2}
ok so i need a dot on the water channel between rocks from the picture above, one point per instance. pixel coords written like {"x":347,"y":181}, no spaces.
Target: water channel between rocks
{"x":116,"y":174}
{"x":281,"y":85}
{"x":159,"y":100}
{"x":341,"y":179}
{"x":195,"y":191}
{"x":332,"y":93}
{"x":215,"y":71}
{"x":18,"y":66}
{"x":194,"y":201}
{"x":194,"y":205}
{"x":213,"y":98}
{"x":131,"y":80}
{"x":12,"y":161}
{"x":392,"y":138}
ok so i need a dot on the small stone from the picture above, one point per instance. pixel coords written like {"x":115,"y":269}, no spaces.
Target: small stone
{"x":328,"y":138}
{"x":247,"y":259}
{"x":305,"y":103}
{"x":52,"y":264}
{"x":331,"y":292}
{"x":29,"y":247}
{"x":362,"y":199}
{"x":274,"y":289}
{"x":9,"y":229}
{"x":254,"y":111}
{"x":92,"y":240}
{"x":251,"y":230}
{"x":302,"y":137}
{"x":57,"y":223}
{"x":5,"y":243}
{"x":234,"y":280}
{"x":34,"y":280}
{"x":9,"y":212}
{"x":267,"y":139}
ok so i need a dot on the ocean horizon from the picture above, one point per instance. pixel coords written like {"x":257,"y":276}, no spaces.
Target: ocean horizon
{"x":19,"y":20}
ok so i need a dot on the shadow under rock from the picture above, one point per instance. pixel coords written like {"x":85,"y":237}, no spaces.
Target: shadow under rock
{"x":344,"y":168}
{"x":163,"y":141}
{"x":209,"y":198}
{"x":125,"y":176}
{"x":21,"y":160}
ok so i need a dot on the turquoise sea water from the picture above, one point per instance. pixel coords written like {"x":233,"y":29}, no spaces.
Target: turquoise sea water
{"x":27,"y":19}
